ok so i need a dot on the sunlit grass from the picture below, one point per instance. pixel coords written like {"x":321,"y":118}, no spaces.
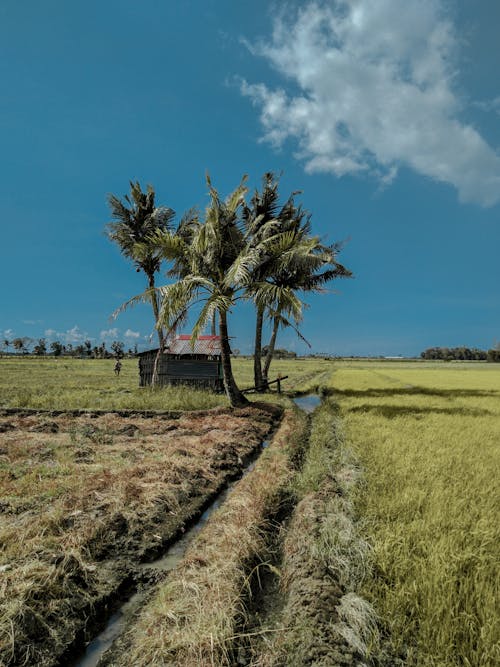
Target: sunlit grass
{"x":428,"y":439}
{"x":72,"y":384}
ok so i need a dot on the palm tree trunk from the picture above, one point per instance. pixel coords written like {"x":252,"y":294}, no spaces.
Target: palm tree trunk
{"x":270,"y":351}
{"x":156,"y":311}
{"x":236,"y":398}
{"x":213,"y":325}
{"x":156,"y":308}
{"x":257,"y":354}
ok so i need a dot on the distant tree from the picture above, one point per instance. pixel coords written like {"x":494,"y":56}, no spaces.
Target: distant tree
{"x":41,"y":347}
{"x":80,"y":350}
{"x":6,"y":344}
{"x":493,"y":356}
{"x":453,"y":354}
{"x":117,"y":347}
{"x":56,"y":348}
{"x":22,"y":344}
{"x":88,"y":348}
{"x":135,"y":219}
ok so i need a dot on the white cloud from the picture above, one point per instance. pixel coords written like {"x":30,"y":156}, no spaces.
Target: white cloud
{"x":132,"y":334}
{"x":109,"y":333}
{"x":373,"y":90}
{"x":73,"y":335}
{"x":8,"y":333}
{"x":489,"y":105}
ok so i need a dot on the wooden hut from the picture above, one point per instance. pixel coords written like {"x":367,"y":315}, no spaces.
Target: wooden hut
{"x":182,"y":363}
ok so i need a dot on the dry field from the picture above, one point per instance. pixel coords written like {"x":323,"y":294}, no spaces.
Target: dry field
{"x":84,"y":499}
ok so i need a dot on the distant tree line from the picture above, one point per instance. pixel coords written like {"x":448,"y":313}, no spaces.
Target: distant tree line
{"x":461,"y":354}
{"x":86,"y":350}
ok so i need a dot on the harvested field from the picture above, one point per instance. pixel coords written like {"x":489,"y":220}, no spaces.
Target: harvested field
{"x":85,"y":499}
{"x":199,"y":610}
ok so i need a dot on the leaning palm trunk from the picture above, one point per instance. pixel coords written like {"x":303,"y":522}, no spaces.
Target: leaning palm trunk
{"x":270,"y":350}
{"x":257,"y":355}
{"x":236,"y":398}
{"x":156,"y":312}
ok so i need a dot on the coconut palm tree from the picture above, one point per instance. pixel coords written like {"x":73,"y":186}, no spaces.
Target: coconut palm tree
{"x":262,"y":219}
{"x":302,"y":264}
{"x":292,"y":261}
{"x":135,"y":219}
{"x":208,"y":271}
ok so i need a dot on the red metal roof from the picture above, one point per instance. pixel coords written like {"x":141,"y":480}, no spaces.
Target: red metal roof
{"x":209,"y":345}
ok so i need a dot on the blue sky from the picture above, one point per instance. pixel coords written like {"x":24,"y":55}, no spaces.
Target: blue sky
{"x":386,"y":115}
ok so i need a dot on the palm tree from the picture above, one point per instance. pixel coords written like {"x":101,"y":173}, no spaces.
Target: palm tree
{"x":208,"y":267}
{"x":302,"y":265}
{"x":135,"y":219}
{"x":291,"y":261}
{"x":262,"y":219}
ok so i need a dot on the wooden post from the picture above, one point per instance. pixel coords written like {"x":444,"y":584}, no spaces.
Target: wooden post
{"x":278,"y":381}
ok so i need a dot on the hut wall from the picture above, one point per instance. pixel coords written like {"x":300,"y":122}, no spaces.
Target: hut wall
{"x":204,"y":373}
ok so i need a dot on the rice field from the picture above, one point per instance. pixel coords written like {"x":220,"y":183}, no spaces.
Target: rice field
{"x":428,"y":439}
{"x":396,"y":502}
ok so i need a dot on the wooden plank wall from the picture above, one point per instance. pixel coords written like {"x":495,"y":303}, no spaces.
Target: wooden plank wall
{"x":201,"y":373}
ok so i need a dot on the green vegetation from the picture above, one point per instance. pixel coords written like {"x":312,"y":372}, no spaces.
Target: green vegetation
{"x":263,"y":252}
{"x":74,"y":384}
{"x":135,"y":219}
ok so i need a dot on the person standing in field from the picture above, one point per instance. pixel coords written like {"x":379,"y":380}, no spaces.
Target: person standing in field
{"x":118,"y":367}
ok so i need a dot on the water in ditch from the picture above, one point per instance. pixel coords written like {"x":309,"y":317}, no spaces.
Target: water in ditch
{"x":308,"y":403}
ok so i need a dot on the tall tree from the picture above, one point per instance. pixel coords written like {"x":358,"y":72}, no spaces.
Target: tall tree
{"x":207,"y":265}
{"x":303,"y":265}
{"x":135,"y":219}
{"x":262,"y":220}
{"x":213,"y":256}
{"x":290,"y":261}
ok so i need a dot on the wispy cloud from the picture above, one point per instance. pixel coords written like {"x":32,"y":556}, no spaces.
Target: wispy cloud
{"x":489,"y":105}
{"x":132,"y":334}
{"x":109,"y":334}
{"x":372,"y":88}
{"x":8,"y":333}
{"x":73,"y":335}
{"x":31,"y":322}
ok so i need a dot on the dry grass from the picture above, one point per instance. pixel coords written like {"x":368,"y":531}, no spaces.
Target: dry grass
{"x":193,"y":618}
{"x":428,"y":439}
{"x":83,"y":499}
{"x":325,"y":562}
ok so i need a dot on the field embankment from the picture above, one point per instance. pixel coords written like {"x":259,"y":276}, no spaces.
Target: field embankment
{"x":85,"y":499}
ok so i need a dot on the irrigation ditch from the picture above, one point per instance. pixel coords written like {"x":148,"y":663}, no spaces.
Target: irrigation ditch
{"x":260,"y":567}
